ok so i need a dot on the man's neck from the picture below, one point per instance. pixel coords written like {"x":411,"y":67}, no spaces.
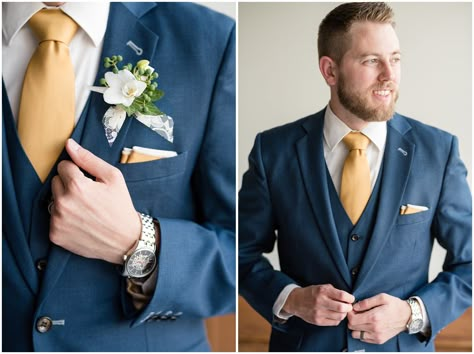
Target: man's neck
{"x":352,"y":121}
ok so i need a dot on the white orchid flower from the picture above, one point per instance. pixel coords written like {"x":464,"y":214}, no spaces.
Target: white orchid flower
{"x":123,"y":88}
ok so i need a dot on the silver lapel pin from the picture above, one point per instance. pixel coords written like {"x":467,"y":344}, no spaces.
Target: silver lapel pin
{"x":137,"y":49}
{"x":402,"y":151}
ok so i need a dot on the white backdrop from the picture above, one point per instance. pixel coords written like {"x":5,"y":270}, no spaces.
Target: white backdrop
{"x":228,"y":8}
{"x":279,"y":80}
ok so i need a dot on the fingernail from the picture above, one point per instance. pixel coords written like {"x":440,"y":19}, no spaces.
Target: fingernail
{"x":74,"y":146}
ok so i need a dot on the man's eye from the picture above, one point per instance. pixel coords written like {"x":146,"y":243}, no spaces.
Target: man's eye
{"x":396,"y":60}
{"x":372,"y":61}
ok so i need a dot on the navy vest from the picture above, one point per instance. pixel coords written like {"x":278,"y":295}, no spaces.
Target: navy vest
{"x":355,"y":238}
{"x":32,"y":195}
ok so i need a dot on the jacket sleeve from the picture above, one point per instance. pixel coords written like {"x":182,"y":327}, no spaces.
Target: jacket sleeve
{"x":196,"y":261}
{"x":259,"y":283}
{"x":449,"y":295}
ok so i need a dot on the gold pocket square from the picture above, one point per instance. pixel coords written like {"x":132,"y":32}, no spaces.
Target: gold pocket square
{"x":412,"y":209}
{"x":140,"y":154}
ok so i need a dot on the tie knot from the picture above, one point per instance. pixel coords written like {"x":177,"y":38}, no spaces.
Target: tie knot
{"x":356,"y":141}
{"x":53,"y":25}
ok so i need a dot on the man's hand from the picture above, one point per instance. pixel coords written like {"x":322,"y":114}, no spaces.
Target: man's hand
{"x":380,"y":317}
{"x":322,"y":305}
{"x":94,"y":219}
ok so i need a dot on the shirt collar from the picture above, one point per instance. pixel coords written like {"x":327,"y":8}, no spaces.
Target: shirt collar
{"x":16,"y":14}
{"x":335,"y":130}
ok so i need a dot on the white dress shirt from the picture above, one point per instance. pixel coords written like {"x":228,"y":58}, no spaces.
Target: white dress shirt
{"x":335,"y":153}
{"x":20,"y":43}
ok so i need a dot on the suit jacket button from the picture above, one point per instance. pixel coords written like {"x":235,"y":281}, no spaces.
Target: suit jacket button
{"x":355,"y":271}
{"x":44,"y":324}
{"x":41,"y":265}
{"x":355,"y":237}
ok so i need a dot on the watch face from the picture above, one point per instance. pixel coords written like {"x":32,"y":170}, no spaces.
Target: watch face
{"x":141,"y":263}
{"x":416,"y":325}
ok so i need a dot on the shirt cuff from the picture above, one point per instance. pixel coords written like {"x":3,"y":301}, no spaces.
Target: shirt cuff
{"x":426,"y":329}
{"x":281,"y":300}
{"x":141,"y":290}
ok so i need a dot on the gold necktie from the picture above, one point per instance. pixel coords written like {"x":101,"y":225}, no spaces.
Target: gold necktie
{"x":46,"y":115}
{"x":355,"y":182}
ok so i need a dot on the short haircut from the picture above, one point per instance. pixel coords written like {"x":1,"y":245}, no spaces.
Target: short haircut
{"x":333,"y":38}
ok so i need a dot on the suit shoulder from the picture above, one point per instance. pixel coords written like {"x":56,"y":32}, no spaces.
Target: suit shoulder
{"x":424,"y":134}
{"x":289,"y":132}
{"x":197,"y":18}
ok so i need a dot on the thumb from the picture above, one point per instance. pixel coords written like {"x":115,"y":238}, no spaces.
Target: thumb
{"x":89,"y":162}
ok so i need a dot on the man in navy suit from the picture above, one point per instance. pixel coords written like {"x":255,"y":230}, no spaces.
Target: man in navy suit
{"x":65,"y":237}
{"x":355,"y":281}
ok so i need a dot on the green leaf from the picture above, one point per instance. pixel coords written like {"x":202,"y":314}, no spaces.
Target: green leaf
{"x":153,"y":110}
{"x":156,"y":95}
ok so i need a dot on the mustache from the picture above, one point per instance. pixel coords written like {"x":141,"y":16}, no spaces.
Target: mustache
{"x":389,"y":86}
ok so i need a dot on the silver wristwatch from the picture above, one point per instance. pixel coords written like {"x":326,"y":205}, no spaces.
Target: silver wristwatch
{"x":140,"y":261}
{"x":415,"y":324}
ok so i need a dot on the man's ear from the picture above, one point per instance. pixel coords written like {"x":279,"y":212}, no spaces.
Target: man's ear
{"x":328,"y":69}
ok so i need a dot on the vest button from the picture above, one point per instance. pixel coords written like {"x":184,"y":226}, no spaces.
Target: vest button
{"x":44,"y":324}
{"x":355,"y":271}
{"x":41,"y":265}
{"x":355,"y":237}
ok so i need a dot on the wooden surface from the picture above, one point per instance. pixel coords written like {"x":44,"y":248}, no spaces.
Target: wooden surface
{"x":221,"y":333}
{"x":254,"y":332}
{"x":457,"y":337}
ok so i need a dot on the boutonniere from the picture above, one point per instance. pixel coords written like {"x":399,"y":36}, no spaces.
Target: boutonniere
{"x":133,"y":91}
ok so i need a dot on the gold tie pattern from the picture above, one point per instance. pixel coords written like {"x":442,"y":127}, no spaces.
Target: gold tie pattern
{"x":355,"y":181}
{"x":46,"y":115}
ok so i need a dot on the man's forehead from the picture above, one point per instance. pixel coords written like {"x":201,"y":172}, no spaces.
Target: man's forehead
{"x":373,"y":37}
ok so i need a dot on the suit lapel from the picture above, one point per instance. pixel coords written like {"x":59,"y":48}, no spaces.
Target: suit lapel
{"x":397,"y":163}
{"x":123,"y":26}
{"x":311,"y":160}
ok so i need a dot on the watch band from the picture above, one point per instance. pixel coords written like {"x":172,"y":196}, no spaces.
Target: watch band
{"x":147,"y":238}
{"x":140,"y":260}
{"x":416,"y":320}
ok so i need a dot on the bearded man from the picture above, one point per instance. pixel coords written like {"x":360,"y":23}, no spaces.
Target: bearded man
{"x":355,"y":196}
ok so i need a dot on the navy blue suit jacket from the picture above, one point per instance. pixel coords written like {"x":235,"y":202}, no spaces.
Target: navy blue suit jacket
{"x":284,"y":198}
{"x":192,"y":195}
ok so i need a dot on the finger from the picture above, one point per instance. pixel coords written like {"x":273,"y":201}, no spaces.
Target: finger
{"x":68,"y":171}
{"x":340,"y":295}
{"x":332,"y":315}
{"x":370,"y":302}
{"x":367,"y":336}
{"x":360,"y":327}
{"x":328,"y":322}
{"x":336,"y":306}
{"x":57,"y":187}
{"x":89,"y":162}
{"x":359,"y":320}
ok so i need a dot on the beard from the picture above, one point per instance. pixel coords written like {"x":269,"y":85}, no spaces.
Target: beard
{"x":358,"y":104}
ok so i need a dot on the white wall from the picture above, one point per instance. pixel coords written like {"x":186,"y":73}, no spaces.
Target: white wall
{"x":227,"y":8}
{"x":279,"y":79}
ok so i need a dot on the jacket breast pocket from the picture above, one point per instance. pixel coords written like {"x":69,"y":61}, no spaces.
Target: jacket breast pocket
{"x":416,"y":218}
{"x":158,"y":187}
{"x":135,"y":172}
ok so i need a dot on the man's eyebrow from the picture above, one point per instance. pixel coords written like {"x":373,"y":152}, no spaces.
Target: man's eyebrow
{"x":372,"y":54}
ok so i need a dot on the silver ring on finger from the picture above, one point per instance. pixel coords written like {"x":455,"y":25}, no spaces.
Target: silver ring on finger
{"x":50,"y":207}
{"x":362,"y":335}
